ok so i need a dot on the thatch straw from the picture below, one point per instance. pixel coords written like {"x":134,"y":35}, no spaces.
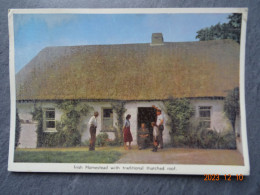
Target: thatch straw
{"x":131,"y":71}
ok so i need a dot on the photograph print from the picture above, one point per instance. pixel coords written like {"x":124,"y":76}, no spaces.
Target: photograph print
{"x":128,"y":90}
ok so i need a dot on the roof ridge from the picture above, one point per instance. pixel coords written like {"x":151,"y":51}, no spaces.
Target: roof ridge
{"x":128,"y":44}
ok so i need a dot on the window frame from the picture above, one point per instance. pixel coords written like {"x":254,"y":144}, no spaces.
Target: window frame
{"x":45,"y":120}
{"x":205,"y":119}
{"x":103,"y":129}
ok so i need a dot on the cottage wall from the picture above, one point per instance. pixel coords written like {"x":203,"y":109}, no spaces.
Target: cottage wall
{"x":132,"y":109}
{"x":28,"y":138}
{"x":84,"y":127}
{"x":219,"y":121}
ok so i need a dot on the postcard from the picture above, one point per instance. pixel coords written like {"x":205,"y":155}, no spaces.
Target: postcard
{"x":143,"y":91}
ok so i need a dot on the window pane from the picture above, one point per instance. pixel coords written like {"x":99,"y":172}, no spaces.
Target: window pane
{"x":204,"y":113}
{"x":108,"y":113}
{"x":50,"y":124}
{"x":107,"y":123}
{"x":204,"y":107}
{"x":50,"y":114}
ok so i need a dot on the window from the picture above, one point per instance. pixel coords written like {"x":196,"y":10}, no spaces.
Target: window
{"x":204,"y":114}
{"x":107,"y":124}
{"x":49,"y":119}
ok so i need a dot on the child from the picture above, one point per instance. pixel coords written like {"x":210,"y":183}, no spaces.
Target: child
{"x":155,"y":136}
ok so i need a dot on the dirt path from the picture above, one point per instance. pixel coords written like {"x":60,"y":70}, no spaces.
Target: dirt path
{"x":183,"y":156}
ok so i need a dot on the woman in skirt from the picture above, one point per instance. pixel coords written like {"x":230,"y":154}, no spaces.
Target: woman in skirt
{"x":127,"y":133}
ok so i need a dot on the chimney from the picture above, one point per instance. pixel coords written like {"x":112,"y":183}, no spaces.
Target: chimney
{"x":157,"y":39}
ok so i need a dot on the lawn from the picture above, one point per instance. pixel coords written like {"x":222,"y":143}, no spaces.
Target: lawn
{"x":69,"y":155}
{"x":134,"y":156}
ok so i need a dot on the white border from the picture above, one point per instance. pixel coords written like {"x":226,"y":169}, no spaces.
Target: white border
{"x":106,"y":168}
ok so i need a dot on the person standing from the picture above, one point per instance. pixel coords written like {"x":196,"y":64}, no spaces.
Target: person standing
{"x":155,"y":137}
{"x":159,"y":124}
{"x":92,"y":129}
{"x":127,"y":133}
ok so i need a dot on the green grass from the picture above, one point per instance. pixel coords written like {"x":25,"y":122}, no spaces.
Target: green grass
{"x":67,"y":156}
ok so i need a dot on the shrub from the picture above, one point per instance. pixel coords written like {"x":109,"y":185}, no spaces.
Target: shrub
{"x":179,"y":141}
{"x":102,"y":139}
{"x":197,"y":136}
{"x":85,"y":143}
{"x":17,"y":129}
{"x":119,"y":108}
{"x":231,"y":106}
{"x":112,"y":143}
{"x":207,"y":138}
{"x":67,"y":134}
{"x":227,"y":140}
{"x":37,"y":115}
{"x":179,"y":112}
{"x":61,"y":138}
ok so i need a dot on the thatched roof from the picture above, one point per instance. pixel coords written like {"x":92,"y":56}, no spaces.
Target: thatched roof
{"x":131,"y":71}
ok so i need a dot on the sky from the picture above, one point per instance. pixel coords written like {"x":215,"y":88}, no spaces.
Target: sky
{"x":34,"y":32}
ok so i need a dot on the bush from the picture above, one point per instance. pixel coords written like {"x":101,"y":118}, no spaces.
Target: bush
{"x":17,"y":129}
{"x":67,"y":134}
{"x":112,"y":142}
{"x":102,"y":138}
{"x":37,"y":115}
{"x":119,"y":108}
{"x":227,"y":140}
{"x":197,"y":136}
{"x":85,"y":143}
{"x":207,"y":138}
{"x":179,"y":141}
{"x":231,"y":106}
{"x":62,"y":138}
{"x":179,"y":112}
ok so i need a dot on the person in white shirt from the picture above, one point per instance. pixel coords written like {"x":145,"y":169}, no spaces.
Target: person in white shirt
{"x":92,"y":129}
{"x":160,"y":125}
{"x":155,"y":136}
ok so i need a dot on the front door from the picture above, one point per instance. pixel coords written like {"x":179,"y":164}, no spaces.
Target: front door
{"x":146,"y":115}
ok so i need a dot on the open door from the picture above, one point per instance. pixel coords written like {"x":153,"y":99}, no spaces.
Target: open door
{"x":146,"y":115}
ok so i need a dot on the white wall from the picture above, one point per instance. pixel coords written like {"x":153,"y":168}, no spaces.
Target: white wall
{"x":84,"y":127}
{"x":219,"y":121}
{"x":28,"y":136}
{"x":132,"y":109}
{"x":25,"y":109}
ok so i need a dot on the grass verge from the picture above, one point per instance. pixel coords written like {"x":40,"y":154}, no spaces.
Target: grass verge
{"x":67,"y":156}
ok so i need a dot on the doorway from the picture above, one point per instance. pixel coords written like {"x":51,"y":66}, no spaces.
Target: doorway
{"x":146,"y":115}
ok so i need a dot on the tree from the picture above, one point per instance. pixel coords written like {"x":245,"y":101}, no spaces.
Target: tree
{"x":17,"y":129}
{"x":230,"y":30}
{"x":231,"y":106}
